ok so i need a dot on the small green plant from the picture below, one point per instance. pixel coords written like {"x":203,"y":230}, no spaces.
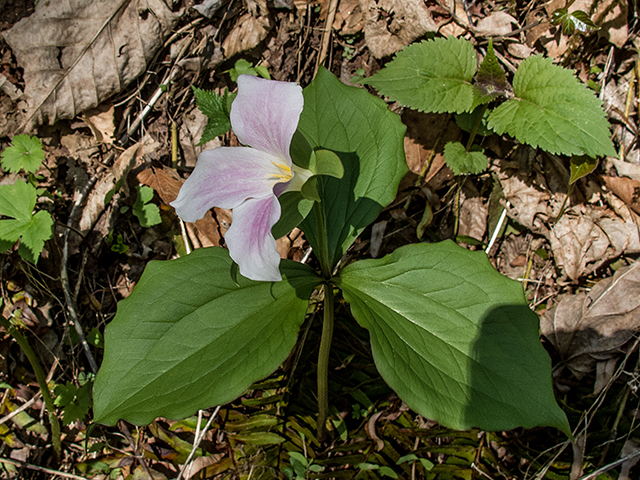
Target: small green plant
{"x":74,"y":401}
{"x":577,"y":21}
{"x":25,"y":153}
{"x":18,"y":201}
{"x":148,"y":213}
{"x":244,"y":67}
{"x":547,"y":107}
{"x":216,"y":108}
{"x":301,"y":466}
{"x":118,"y":246}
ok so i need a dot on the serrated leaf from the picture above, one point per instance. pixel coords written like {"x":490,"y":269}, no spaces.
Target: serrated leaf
{"x":554,"y":111}
{"x":454,"y":338}
{"x":431,"y":76}
{"x":25,"y":154}
{"x":18,"y":201}
{"x":190,"y":337}
{"x":368,"y":138}
{"x":462,"y":162}
{"x":581,"y":167}
{"x":572,"y":21}
{"x":491,"y":81}
{"x":215,"y":108}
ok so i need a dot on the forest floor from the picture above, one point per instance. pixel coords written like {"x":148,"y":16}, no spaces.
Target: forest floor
{"x":94,"y":141}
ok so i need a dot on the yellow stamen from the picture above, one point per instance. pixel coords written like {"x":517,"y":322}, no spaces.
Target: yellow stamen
{"x":284,"y":175}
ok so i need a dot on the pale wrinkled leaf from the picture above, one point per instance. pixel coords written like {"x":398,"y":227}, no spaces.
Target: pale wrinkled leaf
{"x":66,"y":70}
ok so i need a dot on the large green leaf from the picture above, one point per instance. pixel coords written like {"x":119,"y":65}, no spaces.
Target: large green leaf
{"x":431,"y":76}
{"x":554,"y":111}
{"x":368,"y":138}
{"x":189,"y":337}
{"x":454,"y":338}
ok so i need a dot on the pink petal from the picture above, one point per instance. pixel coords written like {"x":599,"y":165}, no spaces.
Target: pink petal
{"x":265,"y":114}
{"x":225,"y":177}
{"x":250,"y":242}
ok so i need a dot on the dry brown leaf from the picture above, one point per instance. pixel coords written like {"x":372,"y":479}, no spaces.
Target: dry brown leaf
{"x":166,"y":182}
{"x":529,"y":199}
{"x":247,"y":34}
{"x":586,"y":237}
{"x":77,"y":53}
{"x":389,"y":25}
{"x":100,"y":121}
{"x":594,"y":326}
{"x":626,"y":169}
{"x":626,"y":189}
{"x":349,"y":18}
{"x":498,"y":23}
{"x":473,"y":212}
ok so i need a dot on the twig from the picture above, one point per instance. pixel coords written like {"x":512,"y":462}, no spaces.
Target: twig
{"x":496,"y":231}
{"x":198,"y":439}
{"x":64,"y":276}
{"x":41,"y":469}
{"x":66,"y":73}
{"x":326,"y":34}
{"x":606,"y":468}
{"x":22,"y":407}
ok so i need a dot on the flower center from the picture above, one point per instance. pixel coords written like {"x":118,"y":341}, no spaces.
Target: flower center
{"x":284,"y":173}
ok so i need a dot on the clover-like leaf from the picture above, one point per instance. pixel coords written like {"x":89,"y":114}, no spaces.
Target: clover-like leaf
{"x":18,"y":201}
{"x":216,"y":108}
{"x":454,"y":338}
{"x":25,"y":154}
{"x":462,"y":162}
{"x":554,"y":111}
{"x":190,"y":337}
{"x":431,"y":76}
{"x":148,"y":214}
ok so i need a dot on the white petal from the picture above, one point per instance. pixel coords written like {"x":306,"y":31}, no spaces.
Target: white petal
{"x":225,"y":177}
{"x":265,"y":114}
{"x":250,"y":242}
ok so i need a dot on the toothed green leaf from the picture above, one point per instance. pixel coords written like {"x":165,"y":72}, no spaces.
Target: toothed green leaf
{"x":554,"y":111}
{"x":431,"y":76}
{"x":25,"y":154}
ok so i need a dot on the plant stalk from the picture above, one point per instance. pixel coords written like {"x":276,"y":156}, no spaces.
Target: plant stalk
{"x":323,"y":362}
{"x":323,"y":245}
{"x":42,"y":382}
{"x":472,"y":136}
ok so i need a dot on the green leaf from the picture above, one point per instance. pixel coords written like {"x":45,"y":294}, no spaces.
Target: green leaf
{"x":295,"y":208}
{"x":326,"y":162}
{"x":454,"y":338}
{"x":462,"y":162}
{"x":431,"y":76}
{"x":368,"y":138}
{"x":215,"y":107}
{"x":467,"y":121}
{"x":148,"y":214}
{"x":577,"y":20}
{"x":189,"y":337}
{"x":554,"y":111}
{"x":18,"y":201}
{"x":74,"y":401}
{"x":25,"y":154}
{"x":581,"y":167}
{"x":491,"y":81}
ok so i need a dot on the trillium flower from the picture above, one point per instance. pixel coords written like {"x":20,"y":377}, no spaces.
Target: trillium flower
{"x":264,"y":116}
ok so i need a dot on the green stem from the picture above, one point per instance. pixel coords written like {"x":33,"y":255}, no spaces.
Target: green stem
{"x":564,"y":203}
{"x":323,"y":361}
{"x":323,"y":245}
{"x":475,"y":127}
{"x":42,"y":382}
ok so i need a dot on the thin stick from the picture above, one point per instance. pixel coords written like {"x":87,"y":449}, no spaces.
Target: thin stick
{"x":22,"y":407}
{"x":64,"y":276}
{"x":41,"y":469}
{"x":326,"y":34}
{"x":197,"y":441}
